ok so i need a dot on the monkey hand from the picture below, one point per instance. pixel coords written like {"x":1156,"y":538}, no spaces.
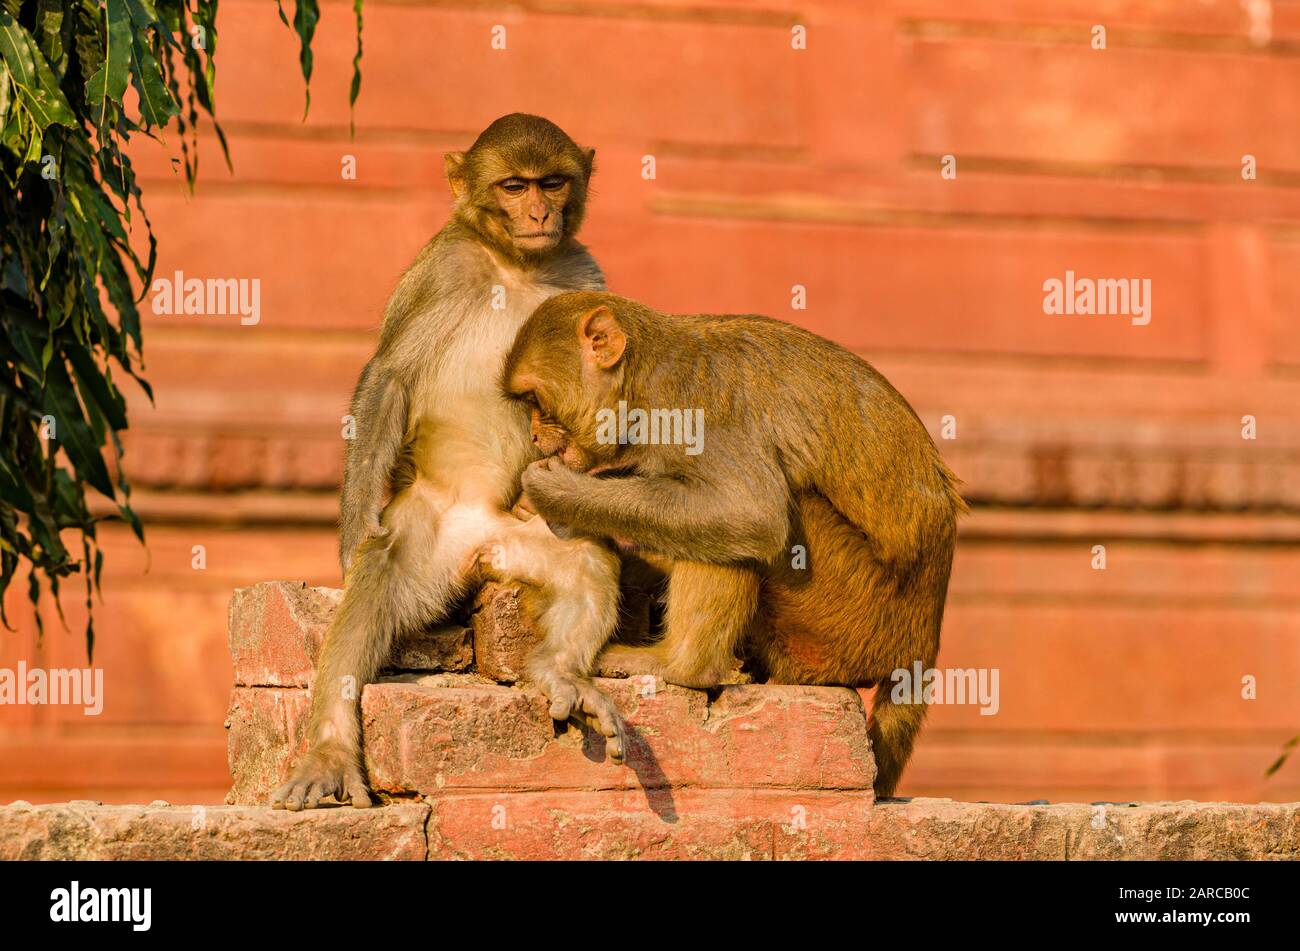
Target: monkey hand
{"x":524,"y":509}
{"x":549,"y":483}
{"x":579,"y":698}
{"x":326,"y":770}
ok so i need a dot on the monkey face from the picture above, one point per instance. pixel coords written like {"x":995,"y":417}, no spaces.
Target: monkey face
{"x":554,"y":440}
{"x":533,"y":209}
{"x":522,"y":186}
{"x":548,"y":435}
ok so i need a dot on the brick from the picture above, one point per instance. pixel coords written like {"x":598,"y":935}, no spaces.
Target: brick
{"x":503,"y":634}
{"x":267,"y":734}
{"x":448,"y":733}
{"x":277,"y":628}
{"x":85,"y":831}
{"x":1172,"y":831}
{"x":709,"y":824}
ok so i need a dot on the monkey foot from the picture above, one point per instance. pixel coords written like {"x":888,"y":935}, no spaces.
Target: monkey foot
{"x":579,"y":698}
{"x":621,"y":660}
{"x":323,"y":773}
{"x":624,"y":660}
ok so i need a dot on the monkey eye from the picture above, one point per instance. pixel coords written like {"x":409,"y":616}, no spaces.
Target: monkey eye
{"x":514,"y":186}
{"x":527,"y":397}
{"x":553,"y":183}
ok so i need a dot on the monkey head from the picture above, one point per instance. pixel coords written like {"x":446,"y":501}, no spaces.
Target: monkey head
{"x":568,"y":362}
{"x":522,"y":186}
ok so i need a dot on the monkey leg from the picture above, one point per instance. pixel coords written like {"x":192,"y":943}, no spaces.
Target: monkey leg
{"x":577,"y":593}
{"x":406,"y":578}
{"x":709,"y":610}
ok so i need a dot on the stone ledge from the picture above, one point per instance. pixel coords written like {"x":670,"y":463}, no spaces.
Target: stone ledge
{"x":90,"y":831}
{"x":446,"y":733}
{"x":701,"y":824}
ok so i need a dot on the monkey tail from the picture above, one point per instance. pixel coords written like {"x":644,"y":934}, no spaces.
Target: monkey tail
{"x":893,"y":728}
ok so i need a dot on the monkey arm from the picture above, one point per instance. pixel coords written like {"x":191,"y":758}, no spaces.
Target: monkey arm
{"x":693,"y":521}
{"x":379,"y":411}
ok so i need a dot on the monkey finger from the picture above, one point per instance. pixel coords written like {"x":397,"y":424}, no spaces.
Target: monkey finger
{"x":604,"y":716}
{"x":563,"y":701}
{"x":294,"y":794}
{"x":315,"y":794}
{"x":616,"y":745}
{"x":357,"y":793}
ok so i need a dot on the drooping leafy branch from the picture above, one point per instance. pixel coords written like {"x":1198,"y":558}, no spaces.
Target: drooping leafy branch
{"x":70,"y":276}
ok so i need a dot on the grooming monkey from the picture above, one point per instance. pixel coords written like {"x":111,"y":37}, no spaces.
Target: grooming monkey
{"x":809,"y":454}
{"x":435,"y":463}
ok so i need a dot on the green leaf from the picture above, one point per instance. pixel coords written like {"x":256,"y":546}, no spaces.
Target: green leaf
{"x":1287,"y":749}
{"x":6,"y":93}
{"x":31,"y":74}
{"x":106,"y":396}
{"x":26,"y":336}
{"x":109,"y":81}
{"x":306,"y":13}
{"x":144,"y":15}
{"x":355,"y":89}
{"x":156,"y":103}
{"x":71,"y":430}
{"x":49,"y":17}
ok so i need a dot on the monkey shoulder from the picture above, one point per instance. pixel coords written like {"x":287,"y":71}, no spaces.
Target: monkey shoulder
{"x":576,"y":270}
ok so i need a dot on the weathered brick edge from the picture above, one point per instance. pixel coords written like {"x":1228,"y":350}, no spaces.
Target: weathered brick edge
{"x":450,"y":733}
{"x":758,"y":825}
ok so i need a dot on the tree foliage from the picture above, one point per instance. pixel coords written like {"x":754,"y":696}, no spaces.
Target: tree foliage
{"x":78,"y":78}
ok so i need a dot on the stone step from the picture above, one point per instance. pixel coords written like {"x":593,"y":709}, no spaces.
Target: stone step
{"x":708,"y":824}
{"x":436,"y":734}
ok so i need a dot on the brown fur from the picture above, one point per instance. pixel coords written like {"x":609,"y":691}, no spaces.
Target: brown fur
{"x":805,"y":444}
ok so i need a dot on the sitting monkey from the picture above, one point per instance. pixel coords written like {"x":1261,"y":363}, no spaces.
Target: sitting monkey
{"x":437,"y":454}
{"x":813,"y":530}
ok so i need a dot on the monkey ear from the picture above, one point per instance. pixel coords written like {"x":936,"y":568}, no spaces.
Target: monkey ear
{"x":591,"y":161}
{"x":452,"y":163}
{"x":603,"y":340}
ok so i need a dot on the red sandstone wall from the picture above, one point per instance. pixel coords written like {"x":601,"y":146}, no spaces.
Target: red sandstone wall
{"x":779,"y":167}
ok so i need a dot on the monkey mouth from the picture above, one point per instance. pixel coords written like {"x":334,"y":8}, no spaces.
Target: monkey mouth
{"x":538,"y":234}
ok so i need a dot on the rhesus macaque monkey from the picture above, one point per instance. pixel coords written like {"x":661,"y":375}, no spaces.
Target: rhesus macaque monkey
{"x":436,"y":460}
{"x":812,"y":529}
